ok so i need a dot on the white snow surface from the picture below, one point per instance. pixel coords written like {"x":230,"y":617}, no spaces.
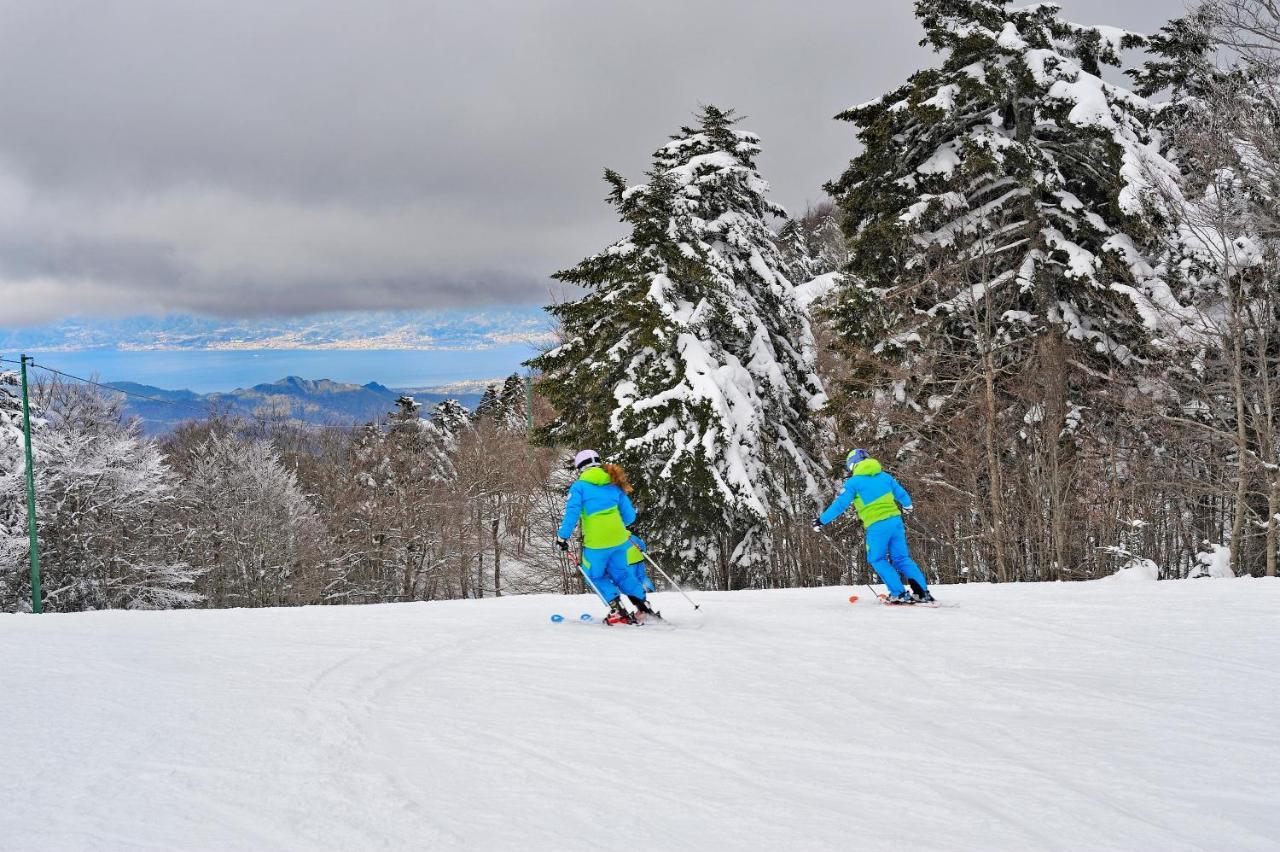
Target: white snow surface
{"x":1041,"y":716}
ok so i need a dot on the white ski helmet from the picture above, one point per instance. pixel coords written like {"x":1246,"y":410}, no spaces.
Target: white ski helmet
{"x":586,"y":458}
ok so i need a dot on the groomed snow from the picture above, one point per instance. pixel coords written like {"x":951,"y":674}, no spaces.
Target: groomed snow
{"x":1052,"y":716}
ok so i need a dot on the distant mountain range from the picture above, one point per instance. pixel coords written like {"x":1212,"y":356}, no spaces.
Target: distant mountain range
{"x":321,"y":402}
{"x":452,"y":329}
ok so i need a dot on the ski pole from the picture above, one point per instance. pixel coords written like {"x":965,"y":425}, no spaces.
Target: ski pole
{"x":576,"y":561}
{"x":669,"y":580}
{"x":853,"y":569}
{"x":852,"y":565}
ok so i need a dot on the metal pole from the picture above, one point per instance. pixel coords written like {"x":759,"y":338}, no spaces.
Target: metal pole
{"x":852,"y":562}
{"x":528,"y":402}
{"x":37,"y":605}
{"x":577,"y":561}
{"x":669,"y":580}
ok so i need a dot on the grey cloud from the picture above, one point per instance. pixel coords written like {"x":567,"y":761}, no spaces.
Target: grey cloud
{"x":240,"y":157}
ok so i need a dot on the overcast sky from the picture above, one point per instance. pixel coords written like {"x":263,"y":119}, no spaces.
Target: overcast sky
{"x":244,"y":157}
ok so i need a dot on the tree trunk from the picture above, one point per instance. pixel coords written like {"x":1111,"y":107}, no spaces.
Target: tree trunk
{"x":494,"y":526}
{"x":1242,"y":436}
{"x":995,"y":477}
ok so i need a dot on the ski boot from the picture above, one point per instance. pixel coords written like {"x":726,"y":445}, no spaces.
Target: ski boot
{"x":925,"y":597}
{"x":618,"y":615}
{"x":903,"y":598}
{"x":643,"y":610}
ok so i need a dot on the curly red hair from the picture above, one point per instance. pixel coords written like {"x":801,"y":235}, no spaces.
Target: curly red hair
{"x":618,"y":476}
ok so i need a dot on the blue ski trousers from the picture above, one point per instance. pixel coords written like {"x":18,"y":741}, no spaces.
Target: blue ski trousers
{"x":887,"y":552}
{"x":608,"y":569}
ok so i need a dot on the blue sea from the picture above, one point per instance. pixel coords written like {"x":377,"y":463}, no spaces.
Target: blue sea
{"x":205,"y":371}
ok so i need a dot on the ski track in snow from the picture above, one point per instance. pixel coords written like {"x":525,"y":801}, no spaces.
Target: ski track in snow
{"x":1037,"y":716}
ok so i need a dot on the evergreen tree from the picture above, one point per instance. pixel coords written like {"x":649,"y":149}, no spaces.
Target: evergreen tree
{"x":1014,"y":156}
{"x":450,"y":417}
{"x":813,"y":245}
{"x":797,"y":254}
{"x":423,"y":443}
{"x":690,"y":361}
{"x":512,"y":403}
{"x":490,"y":405}
{"x":1179,"y":61}
{"x":1002,"y":232}
{"x":407,"y":415}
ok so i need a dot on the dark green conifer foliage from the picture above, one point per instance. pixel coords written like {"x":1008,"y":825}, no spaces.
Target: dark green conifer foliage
{"x":490,"y":404}
{"x":689,"y":361}
{"x":999,"y":197}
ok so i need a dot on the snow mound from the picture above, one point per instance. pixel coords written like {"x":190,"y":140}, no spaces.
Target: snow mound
{"x":1214,"y":562}
{"x":1037,"y":716}
{"x":811,"y":291}
{"x":1137,"y":570}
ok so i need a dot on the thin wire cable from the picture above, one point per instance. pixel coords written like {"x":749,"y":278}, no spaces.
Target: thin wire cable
{"x":203,"y":410}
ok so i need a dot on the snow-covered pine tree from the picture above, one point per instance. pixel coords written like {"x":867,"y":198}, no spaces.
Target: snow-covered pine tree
{"x":422,"y":444}
{"x":812,"y":245}
{"x":793,"y":246}
{"x":407,"y":413}
{"x":512,"y":402}
{"x":490,"y":404}
{"x":450,"y":417}
{"x":504,"y":405}
{"x":999,"y":215}
{"x":690,"y":361}
{"x":1179,"y":62}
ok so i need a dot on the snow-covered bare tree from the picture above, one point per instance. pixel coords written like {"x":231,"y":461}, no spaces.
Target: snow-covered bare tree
{"x":15,"y":585}
{"x":108,"y":532}
{"x":690,"y":361}
{"x":1221,"y":311}
{"x":249,"y":528}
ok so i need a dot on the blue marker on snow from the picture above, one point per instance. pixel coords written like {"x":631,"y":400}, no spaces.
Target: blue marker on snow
{"x":586,"y":616}
{"x":557,"y":618}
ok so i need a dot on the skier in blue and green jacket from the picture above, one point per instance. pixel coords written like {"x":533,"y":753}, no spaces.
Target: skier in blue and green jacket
{"x":599,"y":500}
{"x":877,"y":497}
{"x":635,"y":561}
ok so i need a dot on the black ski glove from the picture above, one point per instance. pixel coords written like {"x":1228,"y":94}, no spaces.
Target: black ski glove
{"x":563,"y":544}
{"x":817,"y":524}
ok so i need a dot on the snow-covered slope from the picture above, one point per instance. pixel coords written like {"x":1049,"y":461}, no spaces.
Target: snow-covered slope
{"x":1081,"y":716}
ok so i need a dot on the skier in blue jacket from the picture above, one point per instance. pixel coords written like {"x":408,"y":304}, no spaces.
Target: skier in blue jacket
{"x":640,"y":575}
{"x":599,"y":500}
{"x":877,"y":496}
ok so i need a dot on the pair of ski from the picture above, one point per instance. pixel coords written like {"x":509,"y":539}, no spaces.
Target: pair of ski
{"x":884,"y":599}
{"x":588,"y":618}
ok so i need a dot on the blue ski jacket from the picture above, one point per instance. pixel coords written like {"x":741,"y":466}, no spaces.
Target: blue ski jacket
{"x":875,"y":494}
{"x":604,"y":508}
